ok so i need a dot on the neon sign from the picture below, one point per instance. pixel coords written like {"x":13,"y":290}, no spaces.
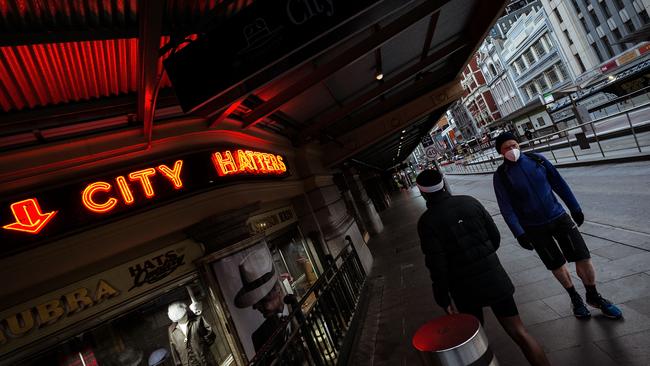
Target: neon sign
{"x":247,"y":162}
{"x":35,"y":218}
{"x":90,"y":199}
{"x":29,"y":216}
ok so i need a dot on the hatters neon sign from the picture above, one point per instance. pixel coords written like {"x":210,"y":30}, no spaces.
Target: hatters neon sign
{"x":247,"y":162}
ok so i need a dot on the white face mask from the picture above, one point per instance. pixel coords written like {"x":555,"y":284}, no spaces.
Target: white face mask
{"x":513,"y":155}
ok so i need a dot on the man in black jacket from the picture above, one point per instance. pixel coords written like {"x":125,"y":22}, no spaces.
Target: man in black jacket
{"x":459,"y":240}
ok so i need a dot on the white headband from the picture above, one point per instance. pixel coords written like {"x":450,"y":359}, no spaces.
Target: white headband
{"x":432,"y":189}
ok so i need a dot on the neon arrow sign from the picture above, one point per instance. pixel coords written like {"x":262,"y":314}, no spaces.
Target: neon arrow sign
{"x":29,"y":217}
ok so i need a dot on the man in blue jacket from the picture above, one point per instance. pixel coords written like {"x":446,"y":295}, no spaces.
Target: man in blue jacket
{"x":525,"y":186}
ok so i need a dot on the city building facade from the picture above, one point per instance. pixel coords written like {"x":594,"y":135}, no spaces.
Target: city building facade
{"x":464,"y":122}
{"x":478,"y":98}
{"x":592,"y":32}
{"x":534,"y":60}
{"x":498,"y":81}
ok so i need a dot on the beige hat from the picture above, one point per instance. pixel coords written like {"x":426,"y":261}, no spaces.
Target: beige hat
{"x":258,"y":278}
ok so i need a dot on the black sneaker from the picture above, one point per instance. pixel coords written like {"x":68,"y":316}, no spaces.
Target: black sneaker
{"x":580,"y":309}
{"x":609,"y":310}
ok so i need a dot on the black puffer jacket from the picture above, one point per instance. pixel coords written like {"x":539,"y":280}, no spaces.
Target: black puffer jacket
{"x":459,"y":240}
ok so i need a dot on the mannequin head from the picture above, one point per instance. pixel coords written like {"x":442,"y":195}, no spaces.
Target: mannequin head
{"x":177,"y":312}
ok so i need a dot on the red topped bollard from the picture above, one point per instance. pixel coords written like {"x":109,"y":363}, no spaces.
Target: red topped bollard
{"x":454,"y":340}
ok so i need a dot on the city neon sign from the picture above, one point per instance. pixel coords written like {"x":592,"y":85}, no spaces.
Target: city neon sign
{"x":99,"y":197}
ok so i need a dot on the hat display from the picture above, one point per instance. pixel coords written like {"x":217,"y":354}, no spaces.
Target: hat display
{"x":503,"y":137}
{"x":430,"y":181}
{"x":130,"y":357}
{"x":158,"y":356}
{"x":258,"y":277}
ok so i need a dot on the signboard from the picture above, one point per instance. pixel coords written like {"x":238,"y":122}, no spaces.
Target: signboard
{"x":430,"y":152}
{"x":251,"y":40}
{"x":271,"y":221}
{"x":50,"y":314}
{"x":427,"y":140}
{"x":547,"y":98}
{"x":40,"y":216}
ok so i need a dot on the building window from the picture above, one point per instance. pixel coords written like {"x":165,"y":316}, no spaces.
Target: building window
{"x":557,"y":15}
{"x":619,"y":4}
{"x":598,"y":54}
{"x":568,"y":38}
{"x":580,"y":64}
{"x":606,"y":10}
{"x":552,"y":76}
{"x":563,"y":71}
{"x":630,"y":26}
{"x":594,"y":18}
{"x":644,"y":16}
{"x":617,"y":34}
{"x":530,"y":58}
{"x":539,"y":48}
{"x":608,"y":46}
{"x":540,"y":121}
{"x":575,"y":6}
{"x":584,"y":24}
{"x":542,"y":83}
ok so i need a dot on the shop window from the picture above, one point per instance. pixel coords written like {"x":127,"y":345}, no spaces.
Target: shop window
{"x":148,"y":336}
{"x":294,"y":261}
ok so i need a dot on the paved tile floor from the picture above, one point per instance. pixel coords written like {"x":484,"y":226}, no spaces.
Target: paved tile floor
{"x":401,"y":298}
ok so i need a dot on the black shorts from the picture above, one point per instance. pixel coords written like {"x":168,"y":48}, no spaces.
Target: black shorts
{"x":504,"y":308}
{"x":558,"y":242}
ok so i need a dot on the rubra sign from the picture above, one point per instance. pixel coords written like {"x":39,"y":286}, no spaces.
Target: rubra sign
{"x":39,"y":216}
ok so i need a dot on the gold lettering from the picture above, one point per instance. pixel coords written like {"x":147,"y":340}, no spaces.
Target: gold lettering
{"x":245,"y":162}
{"x":18,"y":327}
{"x":283,"y":168}
{"x":78,"y":300}
{"x":104,"y":291}
{"x":267,"y":162}
{"x":50,"y":312}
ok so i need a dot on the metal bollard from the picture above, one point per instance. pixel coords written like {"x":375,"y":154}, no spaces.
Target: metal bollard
{"x":453,"y":340}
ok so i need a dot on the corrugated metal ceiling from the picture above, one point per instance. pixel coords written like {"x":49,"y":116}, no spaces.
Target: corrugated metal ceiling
{"x":100,"y":64}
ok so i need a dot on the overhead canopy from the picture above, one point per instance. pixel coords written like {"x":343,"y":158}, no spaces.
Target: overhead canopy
{"x":91,"y":66}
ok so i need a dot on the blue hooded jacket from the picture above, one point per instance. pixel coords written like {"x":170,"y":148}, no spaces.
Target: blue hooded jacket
{"x":533,"y":185}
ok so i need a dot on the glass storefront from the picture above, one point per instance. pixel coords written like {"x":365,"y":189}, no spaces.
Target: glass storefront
{"x":294,"y":261}
{"x":147,"y":336}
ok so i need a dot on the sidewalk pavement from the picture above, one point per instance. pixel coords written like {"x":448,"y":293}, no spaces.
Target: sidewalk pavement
{"x":400,"y":296}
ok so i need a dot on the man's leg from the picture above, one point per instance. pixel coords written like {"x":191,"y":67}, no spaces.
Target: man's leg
{"x":563,"y":276}
{"x":528,"y":345}
{"x":586,"y":272}
{"x":575,"y":250}
{"x":508,"y":315}
{"x":549,"y":251}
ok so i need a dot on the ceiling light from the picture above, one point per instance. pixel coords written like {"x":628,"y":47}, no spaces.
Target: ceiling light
{"x":379,"y":76}
{"x":403,"y":131}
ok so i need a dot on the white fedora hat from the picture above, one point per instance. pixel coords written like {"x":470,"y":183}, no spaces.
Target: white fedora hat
{"x":258,"y":278}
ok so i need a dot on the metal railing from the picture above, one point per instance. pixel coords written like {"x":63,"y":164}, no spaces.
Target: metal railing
{"x":608,"y":137}
{"x":314,"y":331}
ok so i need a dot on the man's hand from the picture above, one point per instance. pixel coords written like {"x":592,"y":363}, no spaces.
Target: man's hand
{"x":525,"y":242}
{"x":578,"y":217}
{"x":451,"y":309}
